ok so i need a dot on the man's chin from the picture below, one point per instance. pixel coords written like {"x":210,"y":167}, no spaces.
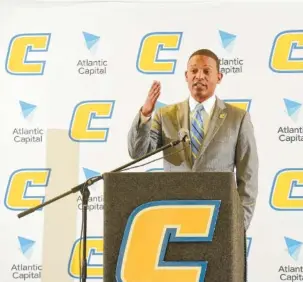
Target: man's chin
{"x":201,"y":94}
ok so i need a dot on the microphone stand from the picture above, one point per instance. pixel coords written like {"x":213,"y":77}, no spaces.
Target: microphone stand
{"x":83,"y":188}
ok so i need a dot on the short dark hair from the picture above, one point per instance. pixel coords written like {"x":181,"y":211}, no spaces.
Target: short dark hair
{"x":208,"y":53}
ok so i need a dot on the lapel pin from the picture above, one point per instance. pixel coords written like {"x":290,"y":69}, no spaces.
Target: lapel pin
{"x":222,"y":115}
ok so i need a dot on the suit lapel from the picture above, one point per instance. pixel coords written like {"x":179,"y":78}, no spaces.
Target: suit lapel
{"x":183,"y":120}
{"x":216,"y":120}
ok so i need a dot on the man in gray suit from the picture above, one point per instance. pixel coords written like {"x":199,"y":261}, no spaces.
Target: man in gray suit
{"x":222,"y":136}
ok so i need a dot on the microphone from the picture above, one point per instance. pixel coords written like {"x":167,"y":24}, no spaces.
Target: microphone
{"x":184,"y":135}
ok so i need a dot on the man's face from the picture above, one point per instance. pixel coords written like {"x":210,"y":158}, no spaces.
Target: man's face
{"x":202,"y":77}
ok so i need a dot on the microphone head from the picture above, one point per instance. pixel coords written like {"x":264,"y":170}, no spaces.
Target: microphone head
{"x":184,"y":135}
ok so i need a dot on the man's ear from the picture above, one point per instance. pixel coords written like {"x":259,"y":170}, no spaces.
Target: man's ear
{"x":220,"y":77}
{"x":186,"y":77}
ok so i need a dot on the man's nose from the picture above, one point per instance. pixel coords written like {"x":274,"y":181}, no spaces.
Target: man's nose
{"x":200,"y":74}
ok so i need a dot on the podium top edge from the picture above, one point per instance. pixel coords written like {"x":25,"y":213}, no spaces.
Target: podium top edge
{"x":171,"y":172}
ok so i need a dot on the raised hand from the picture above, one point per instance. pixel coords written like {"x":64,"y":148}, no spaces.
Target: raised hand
{"x":151,"y":99}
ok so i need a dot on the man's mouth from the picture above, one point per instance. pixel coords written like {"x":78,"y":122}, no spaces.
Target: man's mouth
{"x":199,"y":84}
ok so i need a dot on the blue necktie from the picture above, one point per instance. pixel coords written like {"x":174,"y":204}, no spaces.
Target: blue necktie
{"x":196,"y":131}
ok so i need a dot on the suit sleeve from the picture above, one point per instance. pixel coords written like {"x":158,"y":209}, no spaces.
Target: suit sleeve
{"x":146,"y":137}
{"x":247,"y":168}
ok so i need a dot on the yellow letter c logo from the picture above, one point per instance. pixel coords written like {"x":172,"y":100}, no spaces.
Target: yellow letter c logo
{"x":23,"y":46}
{"x":284,"y":193}
{"x":150,"y":60}
{"x":84,"y":115}
{"x":287,"y":52}
{"x":152,"y":226}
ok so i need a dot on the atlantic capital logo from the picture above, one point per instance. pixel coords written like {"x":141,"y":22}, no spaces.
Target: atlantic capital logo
{"x":27,"y":134}
{"x":26,"y":246}
{"x":287,"y":133}
{"x":92,"y":66}
{"x":27,"y":108}
{"x":26,"y":271}
{"x":227,"y":40}
{"x":229,"y":64}
{"x":293,"y":109}
{"x":89,"y":173}
{"x":91,"y":41}
{"x":95,"y":200}
{"x":293,"y":247}
{"x":291,"y":272}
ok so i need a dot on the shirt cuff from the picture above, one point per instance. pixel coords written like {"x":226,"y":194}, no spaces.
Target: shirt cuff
{"x":144,"y":119}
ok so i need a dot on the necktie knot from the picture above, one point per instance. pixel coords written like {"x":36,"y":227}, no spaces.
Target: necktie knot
{"x":199,"y":108}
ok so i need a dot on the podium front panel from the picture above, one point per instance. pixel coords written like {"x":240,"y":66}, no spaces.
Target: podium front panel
{"x":173,"y":227}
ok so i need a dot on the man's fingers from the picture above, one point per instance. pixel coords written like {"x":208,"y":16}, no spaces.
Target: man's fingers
{"x":156,"y":83}
{"x":155,"y":97}
{"x":155,"y":86}
{"x":155,"y":94}
{"x":155,"y":90}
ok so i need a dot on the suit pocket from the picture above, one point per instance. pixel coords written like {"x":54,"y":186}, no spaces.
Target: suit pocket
{"x":225,"y":136}
{"x":223,"y":139}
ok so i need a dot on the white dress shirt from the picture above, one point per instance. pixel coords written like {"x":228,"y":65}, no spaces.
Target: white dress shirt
{"x":208,"y":105}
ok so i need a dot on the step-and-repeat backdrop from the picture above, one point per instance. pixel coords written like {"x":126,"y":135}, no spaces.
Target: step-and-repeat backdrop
{"x":74,"y":75}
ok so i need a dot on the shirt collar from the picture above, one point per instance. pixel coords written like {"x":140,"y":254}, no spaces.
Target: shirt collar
{"x":208,"y":104}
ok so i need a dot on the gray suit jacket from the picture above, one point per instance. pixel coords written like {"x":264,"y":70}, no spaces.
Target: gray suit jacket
{"x":229,"y":145}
